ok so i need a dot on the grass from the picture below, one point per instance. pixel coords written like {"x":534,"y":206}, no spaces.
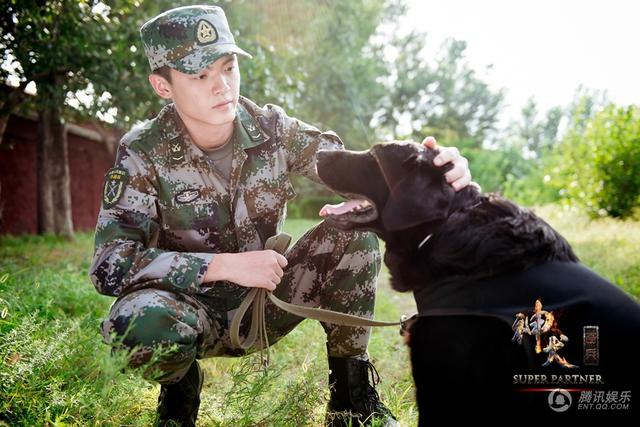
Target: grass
{"x":608,"y":246}
{"x":55,"y":371}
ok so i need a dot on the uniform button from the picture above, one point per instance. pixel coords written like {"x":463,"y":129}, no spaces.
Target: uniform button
{"x":179,"y":280}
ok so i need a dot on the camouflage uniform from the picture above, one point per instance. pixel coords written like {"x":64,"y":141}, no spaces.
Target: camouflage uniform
{"x":166,"y":213}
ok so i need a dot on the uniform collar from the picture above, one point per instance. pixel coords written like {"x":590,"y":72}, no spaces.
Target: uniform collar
{"x":172,"y":131}
{"x":248,"y":131}
{"x":171,"y":124}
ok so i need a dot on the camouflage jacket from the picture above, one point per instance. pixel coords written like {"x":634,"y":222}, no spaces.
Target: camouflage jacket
{"x":166,"y":210}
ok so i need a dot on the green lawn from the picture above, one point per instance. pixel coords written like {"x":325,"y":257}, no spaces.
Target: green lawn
{"x":54,"y":370}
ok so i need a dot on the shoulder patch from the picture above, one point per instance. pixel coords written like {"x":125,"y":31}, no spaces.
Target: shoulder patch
{"x":249,"y":125}
{"x":252,"y":129}
{"x":115,"y":182}
{"x":176,"y":156}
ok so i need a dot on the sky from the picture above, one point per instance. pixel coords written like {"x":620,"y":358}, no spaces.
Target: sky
{"x":542,"y":48}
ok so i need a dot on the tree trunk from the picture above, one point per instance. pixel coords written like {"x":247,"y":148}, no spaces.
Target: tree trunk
{"x":1,"y":208}
{"x":4,"y":120}
{"x":60,"y":180}
{"x":45,"y":195}
{"x":54,"y":196}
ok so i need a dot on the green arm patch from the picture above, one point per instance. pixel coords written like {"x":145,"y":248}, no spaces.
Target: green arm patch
{"x":115,"y":182}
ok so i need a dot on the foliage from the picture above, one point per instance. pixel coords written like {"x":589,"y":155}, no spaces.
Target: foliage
{"x":42,"y":43}
{"x":600,"y":161}
{"x":535,"y":136}
{"x":441,"y":97}
{"x":505,"y":169}
{"x":316,"y":60}
{"x":323,"y":62}
{"x":345,"y":66}
{"x":528,"y":151}
{"x":533,"y":188}
{"x":342,"y":71}
{"x":489,"y":167}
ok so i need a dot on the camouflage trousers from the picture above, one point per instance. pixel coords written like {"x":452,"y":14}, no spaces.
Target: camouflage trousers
{"x":327,"y":268}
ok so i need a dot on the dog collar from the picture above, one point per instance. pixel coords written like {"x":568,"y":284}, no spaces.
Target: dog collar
{"x":424,"y":241}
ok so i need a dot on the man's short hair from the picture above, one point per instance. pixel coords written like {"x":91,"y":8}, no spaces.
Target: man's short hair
{"x":164,"y":71}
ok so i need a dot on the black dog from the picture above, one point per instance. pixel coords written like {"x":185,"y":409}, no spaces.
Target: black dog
{"x":507,"y":315}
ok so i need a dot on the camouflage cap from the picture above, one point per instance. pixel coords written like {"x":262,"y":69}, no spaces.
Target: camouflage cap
{"x":188,"y":38}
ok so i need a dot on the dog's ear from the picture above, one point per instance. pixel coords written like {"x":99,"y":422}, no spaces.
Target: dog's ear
{"x":421,"y":195}
{"x":395,"y":160}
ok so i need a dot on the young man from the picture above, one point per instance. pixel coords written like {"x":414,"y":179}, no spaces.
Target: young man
{"x":192,"y":198}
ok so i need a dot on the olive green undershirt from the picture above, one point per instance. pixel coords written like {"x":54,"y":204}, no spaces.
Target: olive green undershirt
{"x":222,"y":157}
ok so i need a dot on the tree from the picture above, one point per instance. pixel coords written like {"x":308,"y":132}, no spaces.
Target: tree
{"x":65,"y":47}
{"x":318,"y":60}
{"x":528,"y":145}
{"x":443,"y":97}
{"x":534,"y":135}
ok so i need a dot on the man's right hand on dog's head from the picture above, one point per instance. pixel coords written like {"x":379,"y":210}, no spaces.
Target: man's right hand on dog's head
{"x":460,"y":175}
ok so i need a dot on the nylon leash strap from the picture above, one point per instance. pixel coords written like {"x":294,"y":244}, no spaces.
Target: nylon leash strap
{"x":258,"y":297}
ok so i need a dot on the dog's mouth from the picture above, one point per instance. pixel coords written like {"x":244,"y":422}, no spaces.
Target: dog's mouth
{"x":356,"y":210}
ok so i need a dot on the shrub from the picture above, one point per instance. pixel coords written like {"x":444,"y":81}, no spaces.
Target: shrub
{"x":600,"y":162}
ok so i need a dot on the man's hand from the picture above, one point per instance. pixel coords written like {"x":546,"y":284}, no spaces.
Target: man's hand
{"x":254,"y":269}
{"x":460,"y":176}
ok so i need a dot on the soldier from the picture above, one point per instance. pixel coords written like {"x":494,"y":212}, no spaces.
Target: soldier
{"x":186,"y":210}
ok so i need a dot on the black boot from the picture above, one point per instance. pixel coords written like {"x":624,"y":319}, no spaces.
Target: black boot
{"x":354,"y":399}
{"x":178,"y":403}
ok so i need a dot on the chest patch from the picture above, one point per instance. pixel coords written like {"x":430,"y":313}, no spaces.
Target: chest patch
{"x":114,"y":185}
{"x":187,"y":196}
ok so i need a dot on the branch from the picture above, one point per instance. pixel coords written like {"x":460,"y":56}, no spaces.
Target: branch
{"x":14,"y":99}
{"x":15,"y":95}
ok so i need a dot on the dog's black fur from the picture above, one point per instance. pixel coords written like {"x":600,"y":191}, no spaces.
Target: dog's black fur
{"x":485,"y":257}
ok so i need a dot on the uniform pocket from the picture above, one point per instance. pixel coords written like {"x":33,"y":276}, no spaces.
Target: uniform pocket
{"x":191,"y":216}
{"x":269,"y":198}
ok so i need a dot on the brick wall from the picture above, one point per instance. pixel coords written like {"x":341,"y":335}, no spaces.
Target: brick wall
{"x":88,"y":162}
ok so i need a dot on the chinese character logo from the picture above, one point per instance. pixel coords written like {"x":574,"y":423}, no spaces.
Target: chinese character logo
{"x":590,"y":338}
{"x":542,"y":326}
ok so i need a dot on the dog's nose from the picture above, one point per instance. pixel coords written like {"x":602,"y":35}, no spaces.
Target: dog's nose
{"x":324,"y":156}
{"x":321,"y":157}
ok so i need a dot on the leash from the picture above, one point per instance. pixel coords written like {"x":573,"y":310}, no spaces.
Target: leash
{"x":258,"y":297}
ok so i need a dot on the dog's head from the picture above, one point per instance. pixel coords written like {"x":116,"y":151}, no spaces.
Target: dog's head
{"x":397,"y":185}
{"x":398,"y":193}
